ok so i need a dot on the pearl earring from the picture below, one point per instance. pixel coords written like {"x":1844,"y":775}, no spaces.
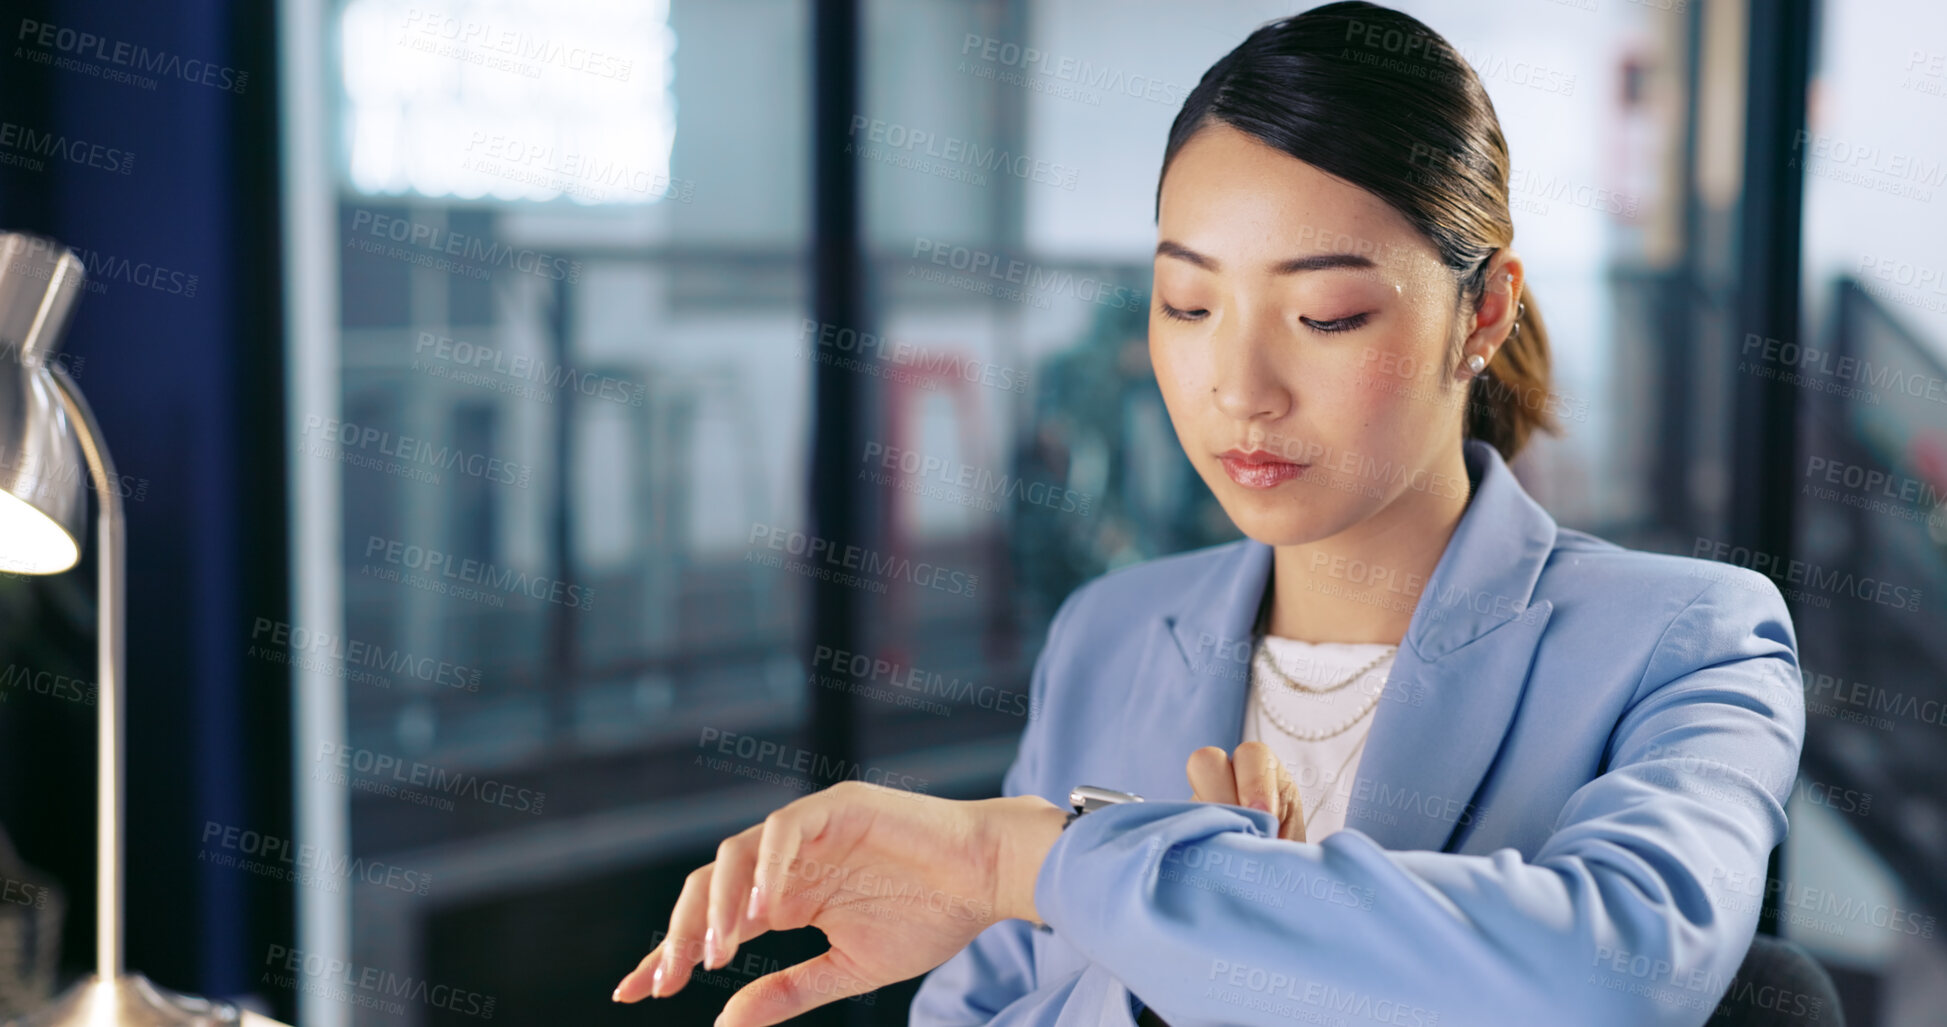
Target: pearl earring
{"x":1476,"y":363}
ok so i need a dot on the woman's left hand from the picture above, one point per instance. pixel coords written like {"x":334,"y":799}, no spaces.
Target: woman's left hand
{"x":898,"y":882}
{"x":1254,"y":777}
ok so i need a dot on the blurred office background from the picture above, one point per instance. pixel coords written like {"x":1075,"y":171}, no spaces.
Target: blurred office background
{"x":499,"y":341}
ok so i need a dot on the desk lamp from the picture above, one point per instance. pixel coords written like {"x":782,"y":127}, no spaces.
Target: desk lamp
{"x":47,"y":436}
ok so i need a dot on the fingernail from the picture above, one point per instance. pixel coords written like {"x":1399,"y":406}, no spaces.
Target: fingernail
{"x":656,"y":981}
{"x":710,"y":949}
{"x":750,"y":911}
{"x":616,"y":995}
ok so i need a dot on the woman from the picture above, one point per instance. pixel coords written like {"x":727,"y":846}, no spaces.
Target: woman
{"x":1485,"y":769}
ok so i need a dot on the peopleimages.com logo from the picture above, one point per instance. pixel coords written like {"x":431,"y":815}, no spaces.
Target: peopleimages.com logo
{"x":931,"y":152}
{"x":405,"y":455}
{"x":450,"y":784}
{"x":32,"y":149}
{"x":317,"y":650}
{"x":445,"y":573}
{"x":511,"y":369}
{"x":516,"y":43}
{"x":116,"y":60}
{"x":368,"y":987}
{"x":104,"y":268}
{"x":424,"y":241}
{"x":830,"y":561}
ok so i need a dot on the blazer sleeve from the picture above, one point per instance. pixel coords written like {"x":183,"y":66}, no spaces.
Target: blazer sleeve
{"x":997,"y":967}
{"x":1637,"y":909}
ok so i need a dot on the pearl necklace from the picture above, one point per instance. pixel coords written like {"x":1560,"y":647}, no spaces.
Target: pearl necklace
{"x":1331,"y":732}
{"x":1332,"y":790}
{"x":1272,"y":669}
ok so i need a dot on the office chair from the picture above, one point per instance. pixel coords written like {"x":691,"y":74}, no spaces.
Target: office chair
{"x":1779,"y":984}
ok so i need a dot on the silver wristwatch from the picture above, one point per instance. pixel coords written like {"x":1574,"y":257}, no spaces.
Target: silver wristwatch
{"x":1088,"y":799}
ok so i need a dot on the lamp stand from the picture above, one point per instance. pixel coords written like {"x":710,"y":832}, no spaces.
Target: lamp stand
{"x":112,"y":996}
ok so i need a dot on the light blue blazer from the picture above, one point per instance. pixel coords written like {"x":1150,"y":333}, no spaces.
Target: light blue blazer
{"x":1562,"y":817}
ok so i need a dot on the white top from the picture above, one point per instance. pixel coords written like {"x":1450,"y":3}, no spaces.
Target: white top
{"x":1323,"y":770}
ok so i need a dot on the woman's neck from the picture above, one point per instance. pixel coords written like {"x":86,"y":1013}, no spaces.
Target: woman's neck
{"x":1362,"y":584}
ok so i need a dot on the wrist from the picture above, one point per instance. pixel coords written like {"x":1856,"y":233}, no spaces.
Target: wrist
{"x":1028,"y":826}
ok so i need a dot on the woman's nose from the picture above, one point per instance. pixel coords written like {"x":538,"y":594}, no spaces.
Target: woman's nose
{"x":1244,"y":386}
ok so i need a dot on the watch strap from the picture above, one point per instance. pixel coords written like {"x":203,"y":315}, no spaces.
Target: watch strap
{"x":1087,"y":799}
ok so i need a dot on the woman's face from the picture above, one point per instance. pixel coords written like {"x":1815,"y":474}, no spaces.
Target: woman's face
{"x":1298,"y":335}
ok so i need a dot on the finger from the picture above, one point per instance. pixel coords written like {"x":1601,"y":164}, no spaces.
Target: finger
{"x":635,"y":987}
{"x":1257,"y":769}
{"x":683,"y":946}
{"x":779,"y":906}
{"x":792,"y":991}
{"x":730,"y":895}
{"x":1210,"y":776}
{"x":1292,"y":827}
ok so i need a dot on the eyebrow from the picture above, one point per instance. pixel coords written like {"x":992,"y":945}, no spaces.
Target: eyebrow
{"x":1315,"y":262}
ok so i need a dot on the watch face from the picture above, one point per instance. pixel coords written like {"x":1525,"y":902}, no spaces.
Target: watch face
{"x":1089,"y":797}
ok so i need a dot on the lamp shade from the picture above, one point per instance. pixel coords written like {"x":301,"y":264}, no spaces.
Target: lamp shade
{"x":43,"y":478}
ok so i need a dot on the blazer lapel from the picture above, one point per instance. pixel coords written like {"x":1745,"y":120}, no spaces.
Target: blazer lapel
{"x":1438,"y":727}
{"x":1449,"y":699}
{"x":1195,"y":672}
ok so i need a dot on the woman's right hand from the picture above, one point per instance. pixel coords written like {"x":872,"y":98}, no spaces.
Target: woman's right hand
{"x":897,"y":882}
{"x":1252,"y":776}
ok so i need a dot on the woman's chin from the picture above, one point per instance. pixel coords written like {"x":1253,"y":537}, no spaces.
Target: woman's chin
{"x":1286,"y":527}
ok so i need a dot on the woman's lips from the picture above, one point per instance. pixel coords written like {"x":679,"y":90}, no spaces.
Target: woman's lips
{"x":1259,"y":470}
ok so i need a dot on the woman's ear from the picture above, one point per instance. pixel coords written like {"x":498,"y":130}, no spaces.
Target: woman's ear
{"x":1500,"y":305}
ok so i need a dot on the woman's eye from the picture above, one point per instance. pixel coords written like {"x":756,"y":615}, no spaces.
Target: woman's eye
{"x":1343,"y":324}
{"x":1181,"y":315}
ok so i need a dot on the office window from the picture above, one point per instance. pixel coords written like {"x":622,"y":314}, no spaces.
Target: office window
{"x":569,"y":252}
